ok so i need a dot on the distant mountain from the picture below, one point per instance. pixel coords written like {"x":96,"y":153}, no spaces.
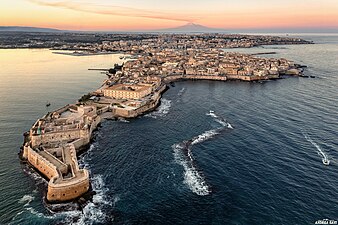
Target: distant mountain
{"x":191,"y":28}
{"x":27,"y":29}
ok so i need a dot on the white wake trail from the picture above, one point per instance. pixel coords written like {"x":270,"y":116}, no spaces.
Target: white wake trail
{"x":325,"y":158}
{"x":220,"y":120}
{"x":192,"y":177}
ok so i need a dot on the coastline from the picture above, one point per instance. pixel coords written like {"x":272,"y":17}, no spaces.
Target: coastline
{"x":55,"y":141}
{"x":106,"y":113}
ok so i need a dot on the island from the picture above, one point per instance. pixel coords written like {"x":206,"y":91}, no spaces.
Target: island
{"x":54,"y":142}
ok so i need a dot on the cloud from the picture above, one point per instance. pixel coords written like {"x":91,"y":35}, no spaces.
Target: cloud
{"x":115,"y":10}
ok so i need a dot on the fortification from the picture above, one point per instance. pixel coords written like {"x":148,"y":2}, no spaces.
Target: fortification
{"x":51,"y":147}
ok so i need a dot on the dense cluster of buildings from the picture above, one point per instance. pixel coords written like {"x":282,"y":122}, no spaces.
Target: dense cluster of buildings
{"x":193,"y":41}
{"x":206,"y":62}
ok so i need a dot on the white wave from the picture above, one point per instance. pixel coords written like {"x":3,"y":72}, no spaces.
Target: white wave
{"x":180,"y":93}
{"x":26,"y":199}
{"x":203,"y":137}
{"x":220,"y":120}
{"x":325,"y":158}
{"x":93,"y":212}
{"x":123,"y":120}
{"x":36,"y":176}
{"x":212,"y":114}
{"x":162,"y":110}
{"x":192,"y":178}
{"x":83,"y":161}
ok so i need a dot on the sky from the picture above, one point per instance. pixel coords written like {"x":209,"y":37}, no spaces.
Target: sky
{"x":131,"y":15}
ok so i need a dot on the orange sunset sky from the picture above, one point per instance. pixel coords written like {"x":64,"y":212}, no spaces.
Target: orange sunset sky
{"x":128,"y":15}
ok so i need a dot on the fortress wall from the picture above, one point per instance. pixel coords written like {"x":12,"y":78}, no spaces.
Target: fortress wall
{"x":56,"y":151}
{"x":70,"y":190}
{"x":62,"y":109}
{"x":41,"y":164}
{"x":78,"y":143}
{"x":103,"y":110}
{"x":55,"y":136}
{"x":94,"y":125}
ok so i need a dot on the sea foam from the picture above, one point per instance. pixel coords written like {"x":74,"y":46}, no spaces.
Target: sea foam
{"x":162,"y":110}
{"x":192,"y":177}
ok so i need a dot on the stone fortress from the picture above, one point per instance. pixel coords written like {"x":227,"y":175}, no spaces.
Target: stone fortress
{"x":51,"y":147}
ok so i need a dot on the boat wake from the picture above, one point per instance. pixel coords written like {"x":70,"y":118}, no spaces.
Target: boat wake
{"x":162,"y":110}
{"x":193,"y":177}
{"x":324,"y":156}
{"x":220,"y":120}
{"x":179,"y":94}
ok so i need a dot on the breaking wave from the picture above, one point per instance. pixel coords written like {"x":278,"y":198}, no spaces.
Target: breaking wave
{"x":26,"y":199}
{"x":162,"y":110}
{"x":324,"y":156}
{"x":123,"y":120}
{"x":93,"y":212}
{"x":193,"y":177}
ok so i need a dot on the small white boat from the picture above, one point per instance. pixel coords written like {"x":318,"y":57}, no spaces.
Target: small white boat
{"x":211,"y":111}
{"x":326,"y":161}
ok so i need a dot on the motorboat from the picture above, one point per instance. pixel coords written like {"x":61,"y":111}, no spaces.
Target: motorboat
{"x":326,"y":161}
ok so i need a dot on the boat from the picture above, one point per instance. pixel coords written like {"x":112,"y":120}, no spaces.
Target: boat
{"x":47,"y":104}
{"x":326,"y":161}
{"x":211,"y":111}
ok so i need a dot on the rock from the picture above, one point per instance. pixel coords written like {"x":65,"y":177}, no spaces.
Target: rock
{"x":292,"y":72}
{"x":82,"y":201}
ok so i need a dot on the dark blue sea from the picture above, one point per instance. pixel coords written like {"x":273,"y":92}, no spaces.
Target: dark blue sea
{"x":212,"y":153}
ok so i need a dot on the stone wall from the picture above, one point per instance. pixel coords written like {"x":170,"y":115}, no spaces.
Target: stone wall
{"x":56,"y":136}
{"x":65,"y":190}
{"x":40,"y":163}
{"x":70,"y":190}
